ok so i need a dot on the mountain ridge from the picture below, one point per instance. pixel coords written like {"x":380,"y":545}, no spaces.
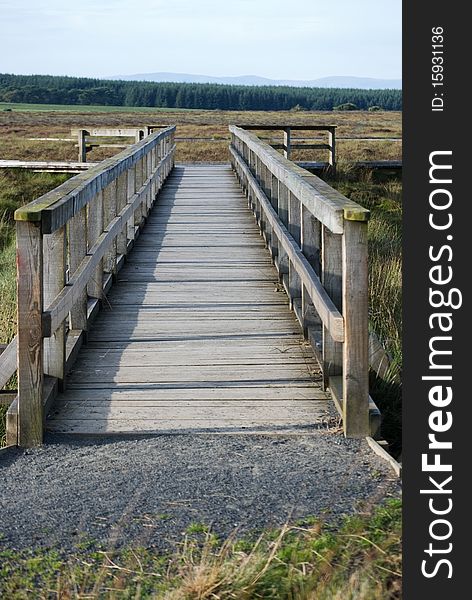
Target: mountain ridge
{"x":338,"y":81}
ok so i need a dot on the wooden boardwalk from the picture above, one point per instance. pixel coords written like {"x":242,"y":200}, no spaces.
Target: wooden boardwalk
{"x":196,"y":335}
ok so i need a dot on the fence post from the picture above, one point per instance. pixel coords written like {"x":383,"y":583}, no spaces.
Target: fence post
{"x":82,"y":145}
{"x":29,"y":251}
{"x":356,"y":336}
{"x":332,"y":150}
{"x":331,"y":278}
{"x":54,"y":280}
{"x":77,"y":252}
{"x":94,"y":231}
{"x":287,"y":142}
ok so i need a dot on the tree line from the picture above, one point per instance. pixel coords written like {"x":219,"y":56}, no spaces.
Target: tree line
{"x":49,"y":89}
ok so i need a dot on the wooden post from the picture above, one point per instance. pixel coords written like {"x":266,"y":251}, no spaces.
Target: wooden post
{"x":109,"y":213}
{"x":122,"y":199}
{"x":94,"y":231}
{"x":54,"y":280}
{"x":82,"y":145}
{"x":332,"y":150}
{"x":29,"y":257}
{"x":331,"y":278}
{"x":356,"y":336}
{"x":310,"y":233}
{"x":131,"y":191}
{"x":294,"y":215}
{"x":77,"y":252}
{"x":287,"y":142}
{"x":282,"y":261}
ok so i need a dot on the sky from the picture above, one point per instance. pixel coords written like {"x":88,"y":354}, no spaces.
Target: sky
{"x":279,"y":39}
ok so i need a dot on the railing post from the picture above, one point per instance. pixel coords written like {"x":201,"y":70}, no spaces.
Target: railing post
{"x":94,"y":231}
{"x":54,"y":279}
{"x":331,"y":278}
{"x":29,"y":250}
{"x":82,"y":145}
{"x":109,"y":213}
{"x":77,"y":252}
{"x":287,"y":142}
{"x":332,"y":151}
{"x":356,"y":337}
{"x":122,"y":192}
{"x":310,"y":242}
{"x":295,"y":291}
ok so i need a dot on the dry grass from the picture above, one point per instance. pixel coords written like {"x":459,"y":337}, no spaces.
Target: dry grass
{"x":16,"y":127}
{"x":307,"y":561}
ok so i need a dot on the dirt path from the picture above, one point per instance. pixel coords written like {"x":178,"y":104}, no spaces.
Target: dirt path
{"x":149,"y":491}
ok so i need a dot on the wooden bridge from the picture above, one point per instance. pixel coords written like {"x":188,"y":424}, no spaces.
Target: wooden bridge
{"x":151,"y":301}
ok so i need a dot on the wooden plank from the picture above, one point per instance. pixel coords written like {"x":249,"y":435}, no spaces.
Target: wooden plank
{"x":8,"y":362}
{"x":331,"y":278}
{"x":54,"y":279}
{"x":30,"y":340}
{"x":77,"y":251}
{"x":196,"y":338}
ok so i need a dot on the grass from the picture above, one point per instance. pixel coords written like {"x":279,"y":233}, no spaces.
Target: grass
{"x":382,"y":195}
{"x":310,"y":560}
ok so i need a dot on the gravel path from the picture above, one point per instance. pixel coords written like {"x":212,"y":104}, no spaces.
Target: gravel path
{"x":149,"y":491}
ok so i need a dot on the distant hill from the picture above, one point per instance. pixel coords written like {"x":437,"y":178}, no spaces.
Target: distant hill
{"x":363,"y":83}
{"x":48,"y":89}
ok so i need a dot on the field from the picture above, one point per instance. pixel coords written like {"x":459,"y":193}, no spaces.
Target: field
{"x":382,"y":195}
{"x":359,"y":560}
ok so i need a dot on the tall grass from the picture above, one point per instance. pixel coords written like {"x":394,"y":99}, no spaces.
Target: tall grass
{"x":361,"y":560}
{"x":383,"y":196}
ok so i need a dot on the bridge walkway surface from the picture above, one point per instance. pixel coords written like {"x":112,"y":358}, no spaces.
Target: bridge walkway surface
{"x":196,"y":335}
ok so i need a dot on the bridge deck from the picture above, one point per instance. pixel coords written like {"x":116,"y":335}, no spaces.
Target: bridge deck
{"x":197,"y":335}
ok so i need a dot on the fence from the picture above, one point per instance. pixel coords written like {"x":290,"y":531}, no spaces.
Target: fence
{"x":70,"y":244}
{"x":318,"y":242}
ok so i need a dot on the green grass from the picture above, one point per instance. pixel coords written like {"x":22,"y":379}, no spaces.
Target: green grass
{"x":79,"y":108}
{"x":382,"y":195}
{"x":359,"y":560}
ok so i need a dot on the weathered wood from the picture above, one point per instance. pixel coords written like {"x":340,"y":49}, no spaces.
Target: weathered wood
{"x":77,"y":251}
{"x":110,"y":203}
{"x":322,"y":302}
{"x":54,"y":279}
{"x":94,"y":231}
{"x":55,"y":208}
{"x":122,"y":200}
{"x":356,"y":346}
{"x":82,"y":145}
{"x":329,"y":206}
{"x":331,"y":278}
{"x":200,"y":340}
{"x":30,"y":341}
{"x":8,"y":362}
{"x":47,"y":166}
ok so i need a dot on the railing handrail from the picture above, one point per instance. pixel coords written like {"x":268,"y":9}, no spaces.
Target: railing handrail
{"x":324,"y":202}
{"x":56,"y":207}
{"x":318,"y":241}
{"x":70,"y":244}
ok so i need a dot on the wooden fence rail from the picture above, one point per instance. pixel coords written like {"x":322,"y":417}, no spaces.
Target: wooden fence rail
{"x":318,"y":242}
{"x":70,"y":244}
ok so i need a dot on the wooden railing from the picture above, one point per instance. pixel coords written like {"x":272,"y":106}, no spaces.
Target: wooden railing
{"x":289,"y":144}
{"x":318,"y":242}
{"x":70,"y":244}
